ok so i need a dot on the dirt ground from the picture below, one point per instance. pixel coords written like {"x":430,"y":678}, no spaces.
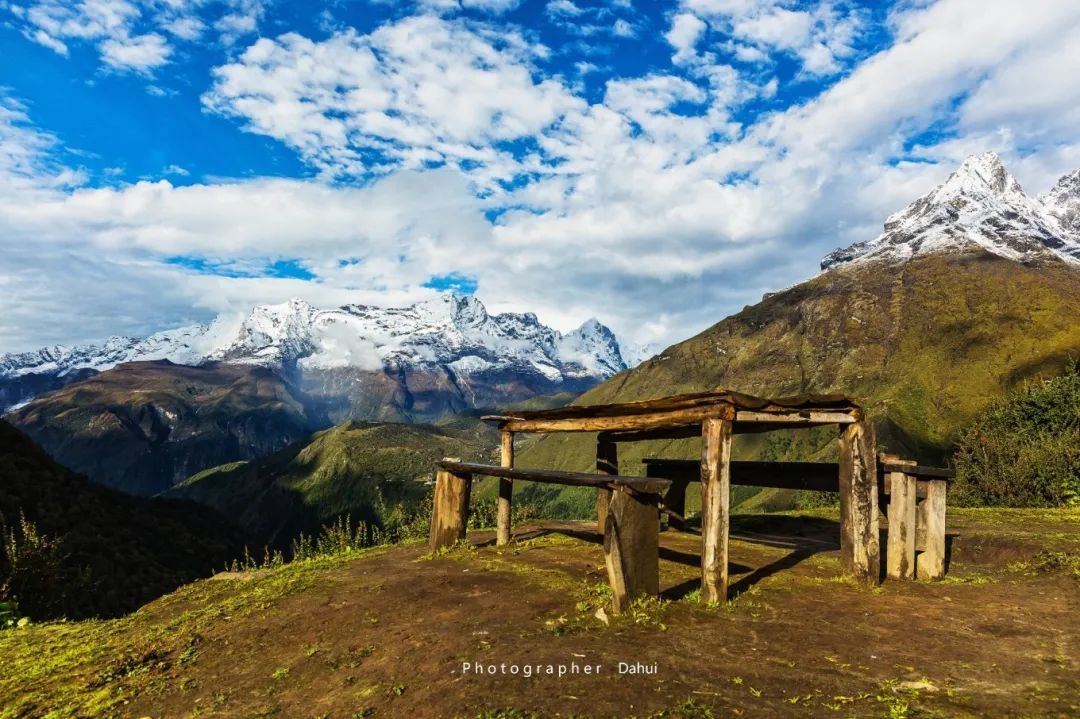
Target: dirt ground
{"x":389,"y":634}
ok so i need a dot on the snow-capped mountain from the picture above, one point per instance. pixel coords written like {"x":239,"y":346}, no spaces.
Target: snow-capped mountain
{"x":455,"y":334}
{"x":980,"y":205}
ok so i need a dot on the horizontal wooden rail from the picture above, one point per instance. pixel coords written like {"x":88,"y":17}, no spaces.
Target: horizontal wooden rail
{"x":818,"y":476}
{"x":643,"y":485}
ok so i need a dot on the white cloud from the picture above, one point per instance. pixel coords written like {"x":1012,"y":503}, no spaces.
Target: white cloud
{"x":650,"y":207}
{"x":141,"y":53}
{"x":423,"y":90}
{"x":130,"y":34}
{"x":686,"y":30}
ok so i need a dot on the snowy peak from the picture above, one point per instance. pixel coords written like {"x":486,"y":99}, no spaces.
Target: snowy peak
{"x":451,"y":332}
{"x":980,"y":205}
{"x":1062,"y":205}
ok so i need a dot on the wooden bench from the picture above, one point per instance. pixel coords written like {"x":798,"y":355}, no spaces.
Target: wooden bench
{"x":912,"y":497}
{"x":631,"y":528}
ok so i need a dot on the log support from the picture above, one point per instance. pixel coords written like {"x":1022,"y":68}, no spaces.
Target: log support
{"x":930,"y":562}
{"x":607,"y":462}
{"x":506,"y":491}
{"x":675,"y":500}
{"x":900,"y":555}
{"x":450,"y":509}
{"x":859,"y":544}
{"x":631,"y":549}
{"x":715,"y":507}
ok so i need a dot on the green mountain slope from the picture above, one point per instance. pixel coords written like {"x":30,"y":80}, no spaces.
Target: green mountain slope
{"x":144,"y":426}
{"x":116,"y":552}
{"x":924,"y":345}
{"x":361,"y":469}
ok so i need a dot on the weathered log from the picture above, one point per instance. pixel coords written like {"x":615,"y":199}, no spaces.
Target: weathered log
{"x":930,"y":563}
{"x":817,"y":476}
{"x":639,"y":485}
{"x":607,"y":462}
{"x":654,"y":420}
{"x":506,"y":490}
{"x":675,"y":500}
{"x":631,"y":549}
{"x":859,"y":544}
{"x":715,"y":508}
{"x":900,"y":555}
{"x":450,"y":508}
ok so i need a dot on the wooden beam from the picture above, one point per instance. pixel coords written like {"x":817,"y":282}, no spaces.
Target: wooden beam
{"x":675,"y":500}
{"x":930,"y":563}
{"x":450,"y":508}
{"x":859,"y":544}
{"x":639,"y":485}
{"x":817,"y":476}
{"x":715,"y":508}
{"x":506,"y":490}
{"x":607,"y":462}
{"x":639,"y":435}
{"x":796,"y":418}
{"x":631,"y":549}
{"x":900,"y":554}
{"x":650,"y":420}
{"x":918,"y":470}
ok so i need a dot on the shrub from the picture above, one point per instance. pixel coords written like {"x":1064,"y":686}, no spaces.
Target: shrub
{"x":30,"y":571}
{"x":1024,"y":450}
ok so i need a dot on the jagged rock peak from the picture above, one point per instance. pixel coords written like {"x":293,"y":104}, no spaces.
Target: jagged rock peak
{"x":452,"y":331}
{"x":980,"y":206}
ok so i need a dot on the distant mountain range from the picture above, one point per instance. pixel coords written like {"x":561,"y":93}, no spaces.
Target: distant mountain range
{"x":979,"y":207}
{"x":451,"y":342}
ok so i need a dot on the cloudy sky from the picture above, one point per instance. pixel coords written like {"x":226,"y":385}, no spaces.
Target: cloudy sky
{"x":656,"y":165}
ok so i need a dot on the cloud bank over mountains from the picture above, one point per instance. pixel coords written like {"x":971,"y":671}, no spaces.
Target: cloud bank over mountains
{"x":457,"y":139}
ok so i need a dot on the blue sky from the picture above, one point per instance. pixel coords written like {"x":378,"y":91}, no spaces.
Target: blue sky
{"x":657,"y":165}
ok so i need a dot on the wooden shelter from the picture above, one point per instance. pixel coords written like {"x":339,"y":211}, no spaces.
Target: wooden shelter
{"x":628,"y":507}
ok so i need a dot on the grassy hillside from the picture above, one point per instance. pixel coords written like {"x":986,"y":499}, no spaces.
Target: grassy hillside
{"x":364,"y":470}
{"x":925,"y":346}
{"x":144,"y":426}
{"x":385,"y":632}
{"x":112,"y":552}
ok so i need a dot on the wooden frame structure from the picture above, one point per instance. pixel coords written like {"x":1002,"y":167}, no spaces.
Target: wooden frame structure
{"x":910,"y":496}
{"x":628,"y":507}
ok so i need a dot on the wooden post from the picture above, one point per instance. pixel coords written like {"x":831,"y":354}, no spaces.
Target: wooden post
{"x":715,"y":508}
{"x":900,"y":556}
{"x":675,"y":500}
{"x":930,"y":563}
{"x":859,"y":545}
{"x":506,"y":491}
{"x":607,"y":462}
{"x":450,"y":509}
{"x":631,"y":549}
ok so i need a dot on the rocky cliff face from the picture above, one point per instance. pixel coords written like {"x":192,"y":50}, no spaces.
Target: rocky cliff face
{"x":143,"y":427}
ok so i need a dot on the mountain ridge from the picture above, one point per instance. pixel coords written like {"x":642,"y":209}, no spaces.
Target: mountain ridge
{"x":455,"y":332}
{"x":980,"y":205}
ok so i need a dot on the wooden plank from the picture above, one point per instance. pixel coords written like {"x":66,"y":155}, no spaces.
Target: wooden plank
{"x":859,"y":543}
{"x":685,"y":431}
{"x":930,"y":563}
{"x":919,"y":470}
{"x":795,"y":418}
{"x":687,"y":401}
{"x":607,"y":462}
{"x":506,"y":490}
{"x":900,"y":554}
{"x":641,"y":485}
{"x":631,"y":549}
{"x":715,"y":508}
{"x":450,"y":508}
{"x":652,"y":420}
{"x":817,"y":476}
